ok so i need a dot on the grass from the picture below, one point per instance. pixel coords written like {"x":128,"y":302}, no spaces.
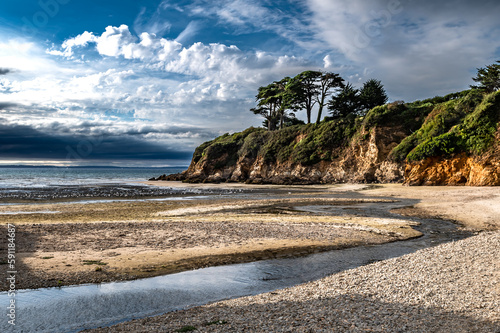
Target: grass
{"x":470,"y":127}
{"x":223,"y":151}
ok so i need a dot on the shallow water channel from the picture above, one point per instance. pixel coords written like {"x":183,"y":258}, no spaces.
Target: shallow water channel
{"x":70,"y":309}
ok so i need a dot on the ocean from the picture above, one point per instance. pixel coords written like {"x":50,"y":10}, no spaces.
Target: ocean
{"x":21,"y":184}
{"x":28,"y":177}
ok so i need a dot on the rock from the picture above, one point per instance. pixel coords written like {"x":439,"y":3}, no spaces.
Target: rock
{"x":365,"y":161}
{"x":458,"y":170}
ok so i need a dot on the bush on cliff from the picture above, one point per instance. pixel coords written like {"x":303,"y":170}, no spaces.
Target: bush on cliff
{"x":463,"y":125}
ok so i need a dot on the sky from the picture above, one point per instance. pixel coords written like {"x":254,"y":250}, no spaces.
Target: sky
{"x":142,"y":83}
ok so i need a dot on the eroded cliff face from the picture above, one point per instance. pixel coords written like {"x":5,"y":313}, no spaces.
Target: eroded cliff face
{"x":461,"y":169}
{"x":364,"y":161}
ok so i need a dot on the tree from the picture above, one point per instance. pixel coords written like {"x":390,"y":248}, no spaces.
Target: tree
{"x":327,"y":82}
{"x":313,"y":87}
{"x":284,"y":97}
{"x":372,"y":94}
{"x":267,"y":104}
{"x":488,"y":78}
{"x":305,"y":89}
{"x":346,"y":102}
{"x":274,"y":100}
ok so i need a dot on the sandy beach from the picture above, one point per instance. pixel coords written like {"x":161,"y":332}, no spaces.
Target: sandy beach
{"x":72,"y":243}
{"x":69,"y":243}
{"x":453,"y":287}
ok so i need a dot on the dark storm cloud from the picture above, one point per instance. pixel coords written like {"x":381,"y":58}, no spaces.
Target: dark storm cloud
{"x":107,"y":129}
{"x":18,"y":141}
{"x":6,"y":105}
{"x":4,"y":71}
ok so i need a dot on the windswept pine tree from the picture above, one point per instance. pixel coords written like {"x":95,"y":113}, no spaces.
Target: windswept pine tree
{"x":281,"y":98}
{"x":488,"y":78}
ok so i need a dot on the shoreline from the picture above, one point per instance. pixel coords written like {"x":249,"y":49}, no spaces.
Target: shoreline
{"x":453,"y":286}
{"x":139,"y":250}
{"x":90,"y":243}
{"x":99,"y":242}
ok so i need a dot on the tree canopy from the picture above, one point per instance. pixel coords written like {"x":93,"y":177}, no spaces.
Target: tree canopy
{"x":345,"y":103}
{"x":327,"y":83}
{"x":278,"y":101}
{"x":372,"y":94}
{"x":488,"y":78}
{"x":354,"y":101}
{"x":305,"y":89}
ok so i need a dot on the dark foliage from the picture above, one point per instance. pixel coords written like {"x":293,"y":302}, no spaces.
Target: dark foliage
{"x":488,"y":78}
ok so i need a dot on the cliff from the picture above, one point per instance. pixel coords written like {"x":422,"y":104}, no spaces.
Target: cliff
{"x":441,"y":141}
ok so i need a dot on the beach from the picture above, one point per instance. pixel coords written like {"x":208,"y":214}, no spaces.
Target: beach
{"x":448,"y":288}
{"x":68,"y":242}
{"x":72,"y":242}
{"x":453,"y":287}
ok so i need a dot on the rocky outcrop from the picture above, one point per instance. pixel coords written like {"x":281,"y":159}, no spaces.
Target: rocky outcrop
{"x":461,"y":169}
{"x":452,"y":140}
{"x":364,"y":161}
{"x":458,"y":170}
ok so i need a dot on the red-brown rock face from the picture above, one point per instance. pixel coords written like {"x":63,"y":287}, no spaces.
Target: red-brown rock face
{"x":459,"y":170}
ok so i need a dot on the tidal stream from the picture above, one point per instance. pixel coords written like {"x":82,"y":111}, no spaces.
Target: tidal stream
{"x":74,"y":308}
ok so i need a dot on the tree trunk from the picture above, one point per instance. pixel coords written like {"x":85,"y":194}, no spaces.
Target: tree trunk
{"x":319,"y":114}
{"x":321,"y":103}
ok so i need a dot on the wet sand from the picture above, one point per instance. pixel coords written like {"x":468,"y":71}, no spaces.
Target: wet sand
{"x":73,"y":243}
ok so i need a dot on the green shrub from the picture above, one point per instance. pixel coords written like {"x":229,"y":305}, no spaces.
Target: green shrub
{"x":226,"y":146}
{"x":277,"y":143}
{"x":445,"y":130}
{"x":478,"y":129}
{"x":402,"y":150}
{"x":253,"y":143}
{"x":321,"y":141}
{"x":466,"y":125}
{"x":443,"y":145}
{"x":409,"y":116}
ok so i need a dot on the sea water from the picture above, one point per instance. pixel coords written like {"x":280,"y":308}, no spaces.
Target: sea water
{"x":36,"y":177}
{"x":21,"y":184}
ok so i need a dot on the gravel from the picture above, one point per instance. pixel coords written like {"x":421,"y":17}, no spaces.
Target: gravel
{"x":453,"y":287}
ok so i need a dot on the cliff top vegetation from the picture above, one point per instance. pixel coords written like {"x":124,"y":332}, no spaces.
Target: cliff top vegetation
{"x":441,"y":126}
